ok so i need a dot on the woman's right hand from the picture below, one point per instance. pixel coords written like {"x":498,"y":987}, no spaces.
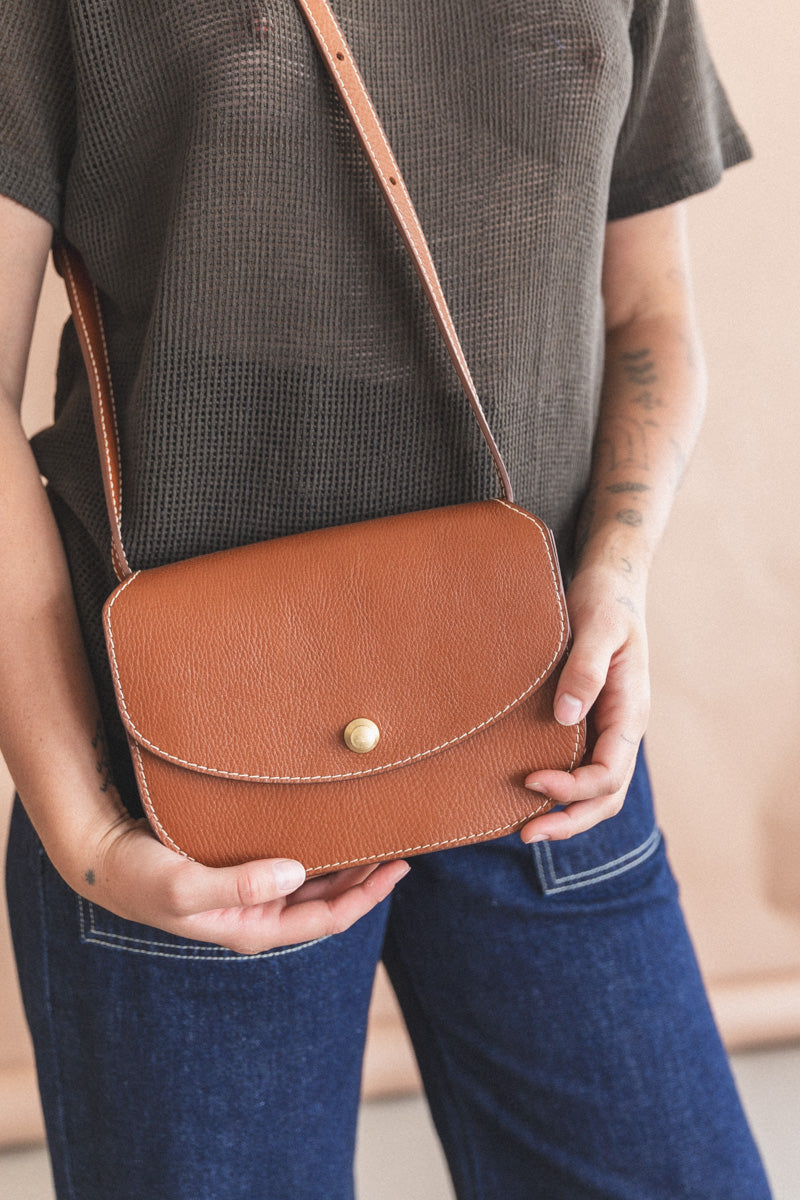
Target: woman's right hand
{"x":249,"y":908}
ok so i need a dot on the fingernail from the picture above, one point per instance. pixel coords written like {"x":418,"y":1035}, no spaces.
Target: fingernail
{"x":403,"y":873}
{"x":536,"y":787}
{"x":568,"y":710}
{"x":288,"y":875}
{"x":539,"y":837}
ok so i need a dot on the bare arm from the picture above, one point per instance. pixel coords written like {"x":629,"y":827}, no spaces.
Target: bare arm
{"x":51,"y":731}
{"x":652,"y":405}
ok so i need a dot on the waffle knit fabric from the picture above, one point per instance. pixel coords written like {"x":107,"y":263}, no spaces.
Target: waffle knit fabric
{"x":275,"y":365}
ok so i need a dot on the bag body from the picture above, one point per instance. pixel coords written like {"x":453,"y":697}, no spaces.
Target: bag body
{"x":238,"y":673}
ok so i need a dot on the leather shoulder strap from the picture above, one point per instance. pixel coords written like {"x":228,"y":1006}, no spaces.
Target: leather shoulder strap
{"x":85,"y":301}
{"x":347,"y":80}
{"x":88,"y":319}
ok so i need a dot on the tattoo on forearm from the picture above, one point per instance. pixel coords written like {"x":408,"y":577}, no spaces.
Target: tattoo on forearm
{"x":640,"y":370}
{"x":89,"y":877}
{"x":103,"y":761}
{"x":639,"y":367}
{"x":623,"y":445}
{"x":629,"y":516}
{"x":626,"y":602}
{"x":648,"y":401}
{"x":632,"y":443}
{"x":617,"y":488}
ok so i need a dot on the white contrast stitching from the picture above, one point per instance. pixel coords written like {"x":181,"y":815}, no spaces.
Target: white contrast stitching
{"x":580,"y":879}
{"x":352,"y":862}
{"x":104,"y":344}
{"x":210,"y":953}
{"x":219,"y":958}
{"x":116,"y":501}
{"x":653,"y":836}
{"x":221,"y":771}
{"x":148,"y":803}
{"x":377,"y":855}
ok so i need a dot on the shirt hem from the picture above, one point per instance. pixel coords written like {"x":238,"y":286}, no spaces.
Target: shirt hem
{"x":678,"y":181}
{"x":27,"y":186}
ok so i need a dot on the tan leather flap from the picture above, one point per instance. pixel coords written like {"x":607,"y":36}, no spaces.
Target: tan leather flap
{"x":250,"y":663}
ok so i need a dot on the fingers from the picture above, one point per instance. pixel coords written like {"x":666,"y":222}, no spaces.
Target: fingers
{"x":323,"y":916}
{"x":605,"y":775}
{"x":254,"y":930}
{"x":250,"y":908}
{"x":584,"y":674}
{"x":607,"y":673}
{"x":596,"y":790}
{"x":564,"y":824}
{"x":192,"y":888}
{"x":319,"y":908}
{"x":591,"y":793}
{"x":326,"y":887}
{"x":264,"y":881}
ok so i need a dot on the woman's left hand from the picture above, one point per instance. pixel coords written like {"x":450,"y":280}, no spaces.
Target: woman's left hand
{"x":650,"y":409}
{"x":606,"y":672}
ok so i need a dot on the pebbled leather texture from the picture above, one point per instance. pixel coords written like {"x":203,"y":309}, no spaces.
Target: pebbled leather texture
{"x":236,"y":674}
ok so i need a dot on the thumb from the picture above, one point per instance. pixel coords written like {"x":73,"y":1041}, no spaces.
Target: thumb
{"x":582,"y":679}
{"x":250,"y":884}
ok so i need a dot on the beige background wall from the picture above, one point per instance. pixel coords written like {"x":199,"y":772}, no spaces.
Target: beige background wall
{"x":724,"y":614}
{"x":726,"y":632}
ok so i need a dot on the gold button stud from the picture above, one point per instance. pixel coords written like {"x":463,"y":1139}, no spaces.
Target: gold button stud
{"x":362,"y":735}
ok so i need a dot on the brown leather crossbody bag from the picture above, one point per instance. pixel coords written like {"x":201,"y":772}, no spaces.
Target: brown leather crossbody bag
{"x":352,"y":694}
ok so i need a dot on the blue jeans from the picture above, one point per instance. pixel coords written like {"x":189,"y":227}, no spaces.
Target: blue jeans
{"x":551,"y":993}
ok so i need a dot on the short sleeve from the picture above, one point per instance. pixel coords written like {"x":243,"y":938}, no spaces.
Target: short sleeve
{"x":679,"y":132}
{"x":37,"y":110}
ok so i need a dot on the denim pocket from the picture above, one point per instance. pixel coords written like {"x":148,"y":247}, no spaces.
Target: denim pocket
{"x":608,"y":850}
{"x":99,"y":927}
